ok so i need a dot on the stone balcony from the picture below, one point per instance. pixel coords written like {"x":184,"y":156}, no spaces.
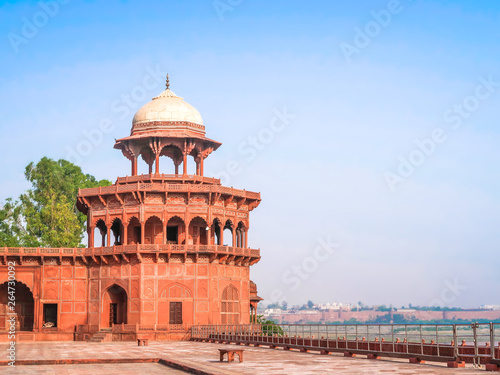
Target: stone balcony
{"x":167,"y":187}
{"x":224,"y":254}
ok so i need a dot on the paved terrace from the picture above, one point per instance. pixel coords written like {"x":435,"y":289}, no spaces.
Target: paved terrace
{"x":205,"y":356}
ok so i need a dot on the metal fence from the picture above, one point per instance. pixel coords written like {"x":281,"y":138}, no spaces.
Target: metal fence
{"x":475,"y":343}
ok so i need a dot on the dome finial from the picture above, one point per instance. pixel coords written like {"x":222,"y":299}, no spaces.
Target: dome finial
{"x":168,"y":83}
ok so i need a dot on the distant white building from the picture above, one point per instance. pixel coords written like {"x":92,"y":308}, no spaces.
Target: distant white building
{"x":490,"y":307}
{"x":269,"y":312}
{"x":333,"y":306}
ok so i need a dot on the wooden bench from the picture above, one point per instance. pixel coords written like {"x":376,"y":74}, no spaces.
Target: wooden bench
{"x":230,"y":354}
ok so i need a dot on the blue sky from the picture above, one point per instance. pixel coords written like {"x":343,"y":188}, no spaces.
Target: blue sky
{"x":324,"y":176}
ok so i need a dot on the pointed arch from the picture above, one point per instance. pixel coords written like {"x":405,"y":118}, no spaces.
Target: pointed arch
{"x":175,"y":219}
{"x":198,"y":231}
{"x":24,"y":307}
{"x":217,"y":231}
{"x":176,"y":290}
{"x":153,"y":230}
{"x":198,"y":219}
{"x":228,"y":233}
{"x":228,"y":224}
{"x":130,"y":218}
{"x":102,"y":230}
{"x":154,"y":216}
{"x":117,"y":230}
{"x":134,"y":231}
{"x":240,"y":234}
{"x":175,"y":230}
{"x":173,"y":152}
{"x":148,"y":156}
{"x":114,"y":306}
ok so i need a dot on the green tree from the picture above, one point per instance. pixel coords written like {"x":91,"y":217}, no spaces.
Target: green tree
{"x":383,"y":308}
{"x":269,"y":327}
{"x":46,"y":214}
{"x":11,"y":228}
{"x":310,"y":304}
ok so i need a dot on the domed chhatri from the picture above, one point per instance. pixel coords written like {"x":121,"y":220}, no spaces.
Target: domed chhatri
{"x":167,"y":126}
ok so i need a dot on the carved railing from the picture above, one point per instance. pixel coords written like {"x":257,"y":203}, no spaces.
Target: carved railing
{"x":167,"y":177}
{"x":133,"y":328}
{"x":475,"y":343}
{"x":165,"y":187}
{"x":131,"y":249}
{"x":144,"y":328}
{"x":86,"y":328}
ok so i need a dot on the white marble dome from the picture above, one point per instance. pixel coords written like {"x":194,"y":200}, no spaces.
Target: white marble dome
{"x":166,"y":107}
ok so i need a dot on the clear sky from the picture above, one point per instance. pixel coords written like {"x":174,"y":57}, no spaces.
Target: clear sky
{"x":372,"y":125}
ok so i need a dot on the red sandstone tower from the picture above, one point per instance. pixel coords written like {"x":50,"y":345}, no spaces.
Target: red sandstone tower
{"x":165,"y":251}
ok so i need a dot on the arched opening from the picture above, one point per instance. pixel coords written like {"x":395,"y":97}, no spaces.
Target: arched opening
{"x":198,"y":231}
{"x":230,"y":305}
{"x":228,"y":233}
{"x":101,"y":230}
{"x":149,"y":157}
{"x":117,"y":230}
{"x":153,"y":231}
{"x":217,"y":231}
{"x":134,"y":231}
{"x":114,"y":306}
{"x":240,"y":235}
{"x":174,"y":153}
{"x":24,"y":306}
{"x":192,"y":168}
{"x":175,"y":230}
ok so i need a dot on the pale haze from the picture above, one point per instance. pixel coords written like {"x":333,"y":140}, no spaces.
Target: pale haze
{"x":386,"y":145}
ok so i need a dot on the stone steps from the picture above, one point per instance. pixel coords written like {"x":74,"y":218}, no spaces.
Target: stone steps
{"x":100,"y":336}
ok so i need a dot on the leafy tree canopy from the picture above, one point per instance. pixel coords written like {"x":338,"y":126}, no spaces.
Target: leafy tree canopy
{"x":269,"y":327}
{"x":46,"y":214}
{"x":11,"y":228}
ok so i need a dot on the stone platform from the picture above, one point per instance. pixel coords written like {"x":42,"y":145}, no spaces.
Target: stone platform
{"x":205,"y":358}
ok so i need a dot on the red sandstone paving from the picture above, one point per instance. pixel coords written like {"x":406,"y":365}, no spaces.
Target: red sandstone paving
{"x":104,"y":369}
{"x":206,"y":356}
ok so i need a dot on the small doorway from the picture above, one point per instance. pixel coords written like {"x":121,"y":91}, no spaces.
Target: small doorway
{"x":113,"y":313}
{"x":50,"y":314}
{"x":172,"y":234}
{"x":175,"y":313}
{"x":114,"y":306}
